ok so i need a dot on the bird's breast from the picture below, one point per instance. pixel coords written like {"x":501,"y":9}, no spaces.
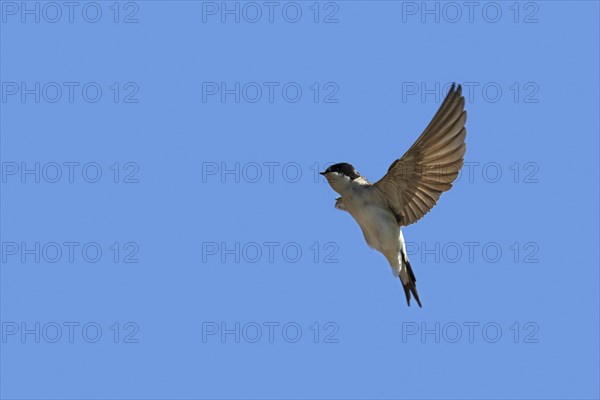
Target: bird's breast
{"x":378,"y":224}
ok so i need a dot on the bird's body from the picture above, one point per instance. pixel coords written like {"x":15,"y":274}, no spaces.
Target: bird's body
{"x":378,"y":224}
{"x":408,"y":191}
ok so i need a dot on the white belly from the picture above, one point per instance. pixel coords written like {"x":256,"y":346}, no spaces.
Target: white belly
{"x":379,"y":227}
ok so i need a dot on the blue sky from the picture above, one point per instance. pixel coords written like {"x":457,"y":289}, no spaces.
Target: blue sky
{"x":165,"y":233}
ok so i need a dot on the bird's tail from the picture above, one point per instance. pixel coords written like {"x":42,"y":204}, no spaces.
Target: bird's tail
{"x":409,"y":282}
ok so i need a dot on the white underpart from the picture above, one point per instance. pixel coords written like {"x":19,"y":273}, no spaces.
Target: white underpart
{"x":377,"y":222}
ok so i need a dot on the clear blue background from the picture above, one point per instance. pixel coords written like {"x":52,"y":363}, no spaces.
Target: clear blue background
{"x":170,"y":132}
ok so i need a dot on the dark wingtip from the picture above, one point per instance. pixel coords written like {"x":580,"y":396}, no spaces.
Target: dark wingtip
{"x":455,"y":91}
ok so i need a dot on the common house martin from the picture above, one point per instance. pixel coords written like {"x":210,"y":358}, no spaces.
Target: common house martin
{"x":410,"y":188}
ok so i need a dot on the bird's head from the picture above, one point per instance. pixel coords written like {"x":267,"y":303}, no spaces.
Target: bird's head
{"x":340,"y":176}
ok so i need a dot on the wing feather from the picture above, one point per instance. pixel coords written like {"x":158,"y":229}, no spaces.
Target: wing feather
{"x":414,"y":183}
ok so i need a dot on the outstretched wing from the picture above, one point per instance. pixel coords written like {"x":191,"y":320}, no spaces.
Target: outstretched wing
{"x":415,"y":182}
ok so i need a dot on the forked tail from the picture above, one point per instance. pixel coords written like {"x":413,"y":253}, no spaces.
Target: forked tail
{"x":409,"y":282}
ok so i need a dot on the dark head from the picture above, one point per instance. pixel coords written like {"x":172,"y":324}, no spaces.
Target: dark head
{"x":343,"y":169}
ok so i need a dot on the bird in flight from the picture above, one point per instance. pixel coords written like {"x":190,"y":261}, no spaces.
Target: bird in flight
{"x":410,"y":188}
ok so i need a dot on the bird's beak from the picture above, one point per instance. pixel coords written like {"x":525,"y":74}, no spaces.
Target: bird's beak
{"x":322,"y":173}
